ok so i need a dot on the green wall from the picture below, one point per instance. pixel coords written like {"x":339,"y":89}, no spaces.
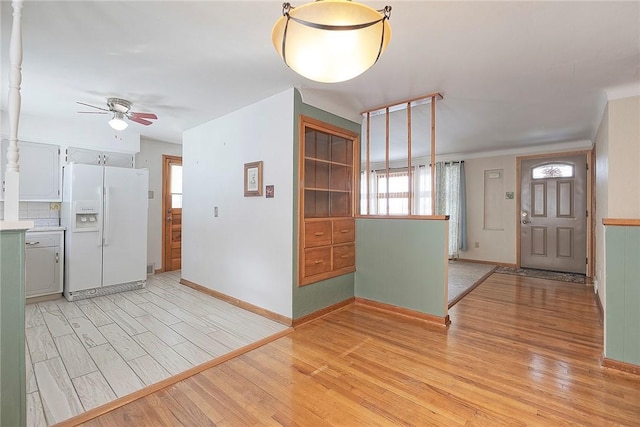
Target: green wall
{"x":403,"y":262}
{"x":310,"y":298}
{"x":622,"y":322}
{"x":12,"y":300}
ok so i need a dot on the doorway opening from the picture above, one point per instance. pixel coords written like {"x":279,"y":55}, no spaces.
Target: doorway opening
{"x":171,"y":212}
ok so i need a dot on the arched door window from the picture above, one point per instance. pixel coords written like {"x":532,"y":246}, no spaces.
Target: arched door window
{"x":553,"y":170}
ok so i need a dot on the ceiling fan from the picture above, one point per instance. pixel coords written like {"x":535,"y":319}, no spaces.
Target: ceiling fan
{"x":121,"y":109}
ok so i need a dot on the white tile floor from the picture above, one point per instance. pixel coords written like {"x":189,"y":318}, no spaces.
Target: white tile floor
{"x":86,"y":353}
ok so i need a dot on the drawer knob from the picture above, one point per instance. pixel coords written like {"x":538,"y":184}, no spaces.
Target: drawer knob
{"x":318,"y":261}
{"x":344,"y":256}
{"x":346,"y":230}
{"x":318,"y":233}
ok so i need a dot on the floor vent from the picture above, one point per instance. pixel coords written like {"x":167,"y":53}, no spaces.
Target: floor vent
{"x":106,"y":290}
{"x":151,"y":268}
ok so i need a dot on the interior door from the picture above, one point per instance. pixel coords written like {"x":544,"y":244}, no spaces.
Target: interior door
{"x":553,"y":214}
{"x":172,"y":212}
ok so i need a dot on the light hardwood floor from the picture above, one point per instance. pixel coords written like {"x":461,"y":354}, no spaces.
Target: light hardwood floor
{"x":520,"y":351}
{"x":83,"y":354}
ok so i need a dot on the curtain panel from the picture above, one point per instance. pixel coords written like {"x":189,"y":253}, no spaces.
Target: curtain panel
{"x":392,"y":190}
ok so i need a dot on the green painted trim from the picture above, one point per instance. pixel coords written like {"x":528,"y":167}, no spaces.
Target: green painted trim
{"x":403,"y":263}
{"x":316,"y":296}
{"x":12,"y":348}
{"x":622,"y":313}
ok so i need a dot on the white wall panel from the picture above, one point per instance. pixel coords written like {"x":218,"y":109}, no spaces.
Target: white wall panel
{"x":247,"y":251}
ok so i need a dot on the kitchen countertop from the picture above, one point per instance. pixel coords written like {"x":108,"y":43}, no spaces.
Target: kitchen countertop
{"x":15,"y":225}
{"x":39,"y":229}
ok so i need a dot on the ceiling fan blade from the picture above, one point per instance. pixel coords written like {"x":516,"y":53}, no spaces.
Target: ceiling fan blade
{"x":92,"y":106}
{"x":139,"y":120}
{"x":142,"y":115}
{"x":93,"y":112}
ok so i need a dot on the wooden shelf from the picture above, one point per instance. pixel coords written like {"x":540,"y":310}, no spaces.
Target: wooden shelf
{"x":327,"y":227}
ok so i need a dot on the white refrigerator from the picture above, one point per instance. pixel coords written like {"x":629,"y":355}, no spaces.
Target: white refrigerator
{"x":104,"y":212}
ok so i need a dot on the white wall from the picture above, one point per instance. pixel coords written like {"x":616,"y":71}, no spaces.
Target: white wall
{"x":602,"y":202}
{"x":247,"y":252}
{"x":494,"y":245}
{"x":617,"y":173}
{"x":498,"y":245}
{"x":624,"y":158}
{"x":77,"y":133}
{"x":150,"y":157}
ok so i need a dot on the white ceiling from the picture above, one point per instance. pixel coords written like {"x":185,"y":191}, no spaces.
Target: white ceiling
{"x":513,"y":74}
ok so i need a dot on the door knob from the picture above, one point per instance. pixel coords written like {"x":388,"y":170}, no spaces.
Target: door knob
{"x":169,"y":218}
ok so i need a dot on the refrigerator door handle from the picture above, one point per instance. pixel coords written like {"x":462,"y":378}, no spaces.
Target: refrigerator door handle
{"x":100,"y":213}
{"x":107,"y":215}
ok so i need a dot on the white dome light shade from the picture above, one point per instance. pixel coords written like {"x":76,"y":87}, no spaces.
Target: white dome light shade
{"x":331,"y":41}
{"x":118,"y":122}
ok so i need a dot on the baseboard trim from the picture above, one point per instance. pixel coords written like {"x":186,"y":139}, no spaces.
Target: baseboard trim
{"x":108,"y":407}
{"x":479,"y":261}
{"x":43,"y":298}
{"x":424,"y":317}
{"x":239,"y":303}
{"x":323,"y":312}
{"x":600,"y":308}
{"x":158,"y":271}
{"x":621,"y":366}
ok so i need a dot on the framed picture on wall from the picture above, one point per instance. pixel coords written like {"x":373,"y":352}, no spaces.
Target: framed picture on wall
{"x":253,"y":179}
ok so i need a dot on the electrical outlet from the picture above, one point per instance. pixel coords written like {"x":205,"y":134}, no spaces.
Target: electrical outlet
{"x":476,"y":245}
{"x":55,"y":206}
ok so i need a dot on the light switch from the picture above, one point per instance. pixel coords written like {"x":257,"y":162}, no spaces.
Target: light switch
{"x":215,"y":211}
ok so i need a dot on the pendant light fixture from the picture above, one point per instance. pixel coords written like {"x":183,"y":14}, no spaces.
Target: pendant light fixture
{"x":118,"y":122}
{"x":331,"y":41}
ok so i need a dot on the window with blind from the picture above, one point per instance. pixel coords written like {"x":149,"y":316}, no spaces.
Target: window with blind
{"x":390,"y":194}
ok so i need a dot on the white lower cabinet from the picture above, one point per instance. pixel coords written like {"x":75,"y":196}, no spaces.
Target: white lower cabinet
{"x":44,"y":263}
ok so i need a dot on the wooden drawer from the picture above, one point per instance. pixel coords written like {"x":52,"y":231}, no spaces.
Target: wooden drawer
{"x":344,"y":231}
{"x":344,"y":256}
{"x":317,"y":233}
{"x":317,"y":260}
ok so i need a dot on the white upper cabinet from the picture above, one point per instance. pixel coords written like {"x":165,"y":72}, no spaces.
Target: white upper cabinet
{"x":120,"y":160}
{"x":39,"y":171}
{"x":94,"y":157}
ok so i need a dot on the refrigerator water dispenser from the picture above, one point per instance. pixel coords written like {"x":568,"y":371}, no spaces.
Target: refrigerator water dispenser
{"x":86,"y":215}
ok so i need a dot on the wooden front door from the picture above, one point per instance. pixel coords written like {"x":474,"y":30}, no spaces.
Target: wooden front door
{"x":553,"y":213}
{"x":172,"y":212}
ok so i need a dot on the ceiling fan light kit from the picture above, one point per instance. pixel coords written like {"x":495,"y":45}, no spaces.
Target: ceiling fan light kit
{"x":121,"y":109}
{"x":331,"y":41}
{"x":118,"y":122}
